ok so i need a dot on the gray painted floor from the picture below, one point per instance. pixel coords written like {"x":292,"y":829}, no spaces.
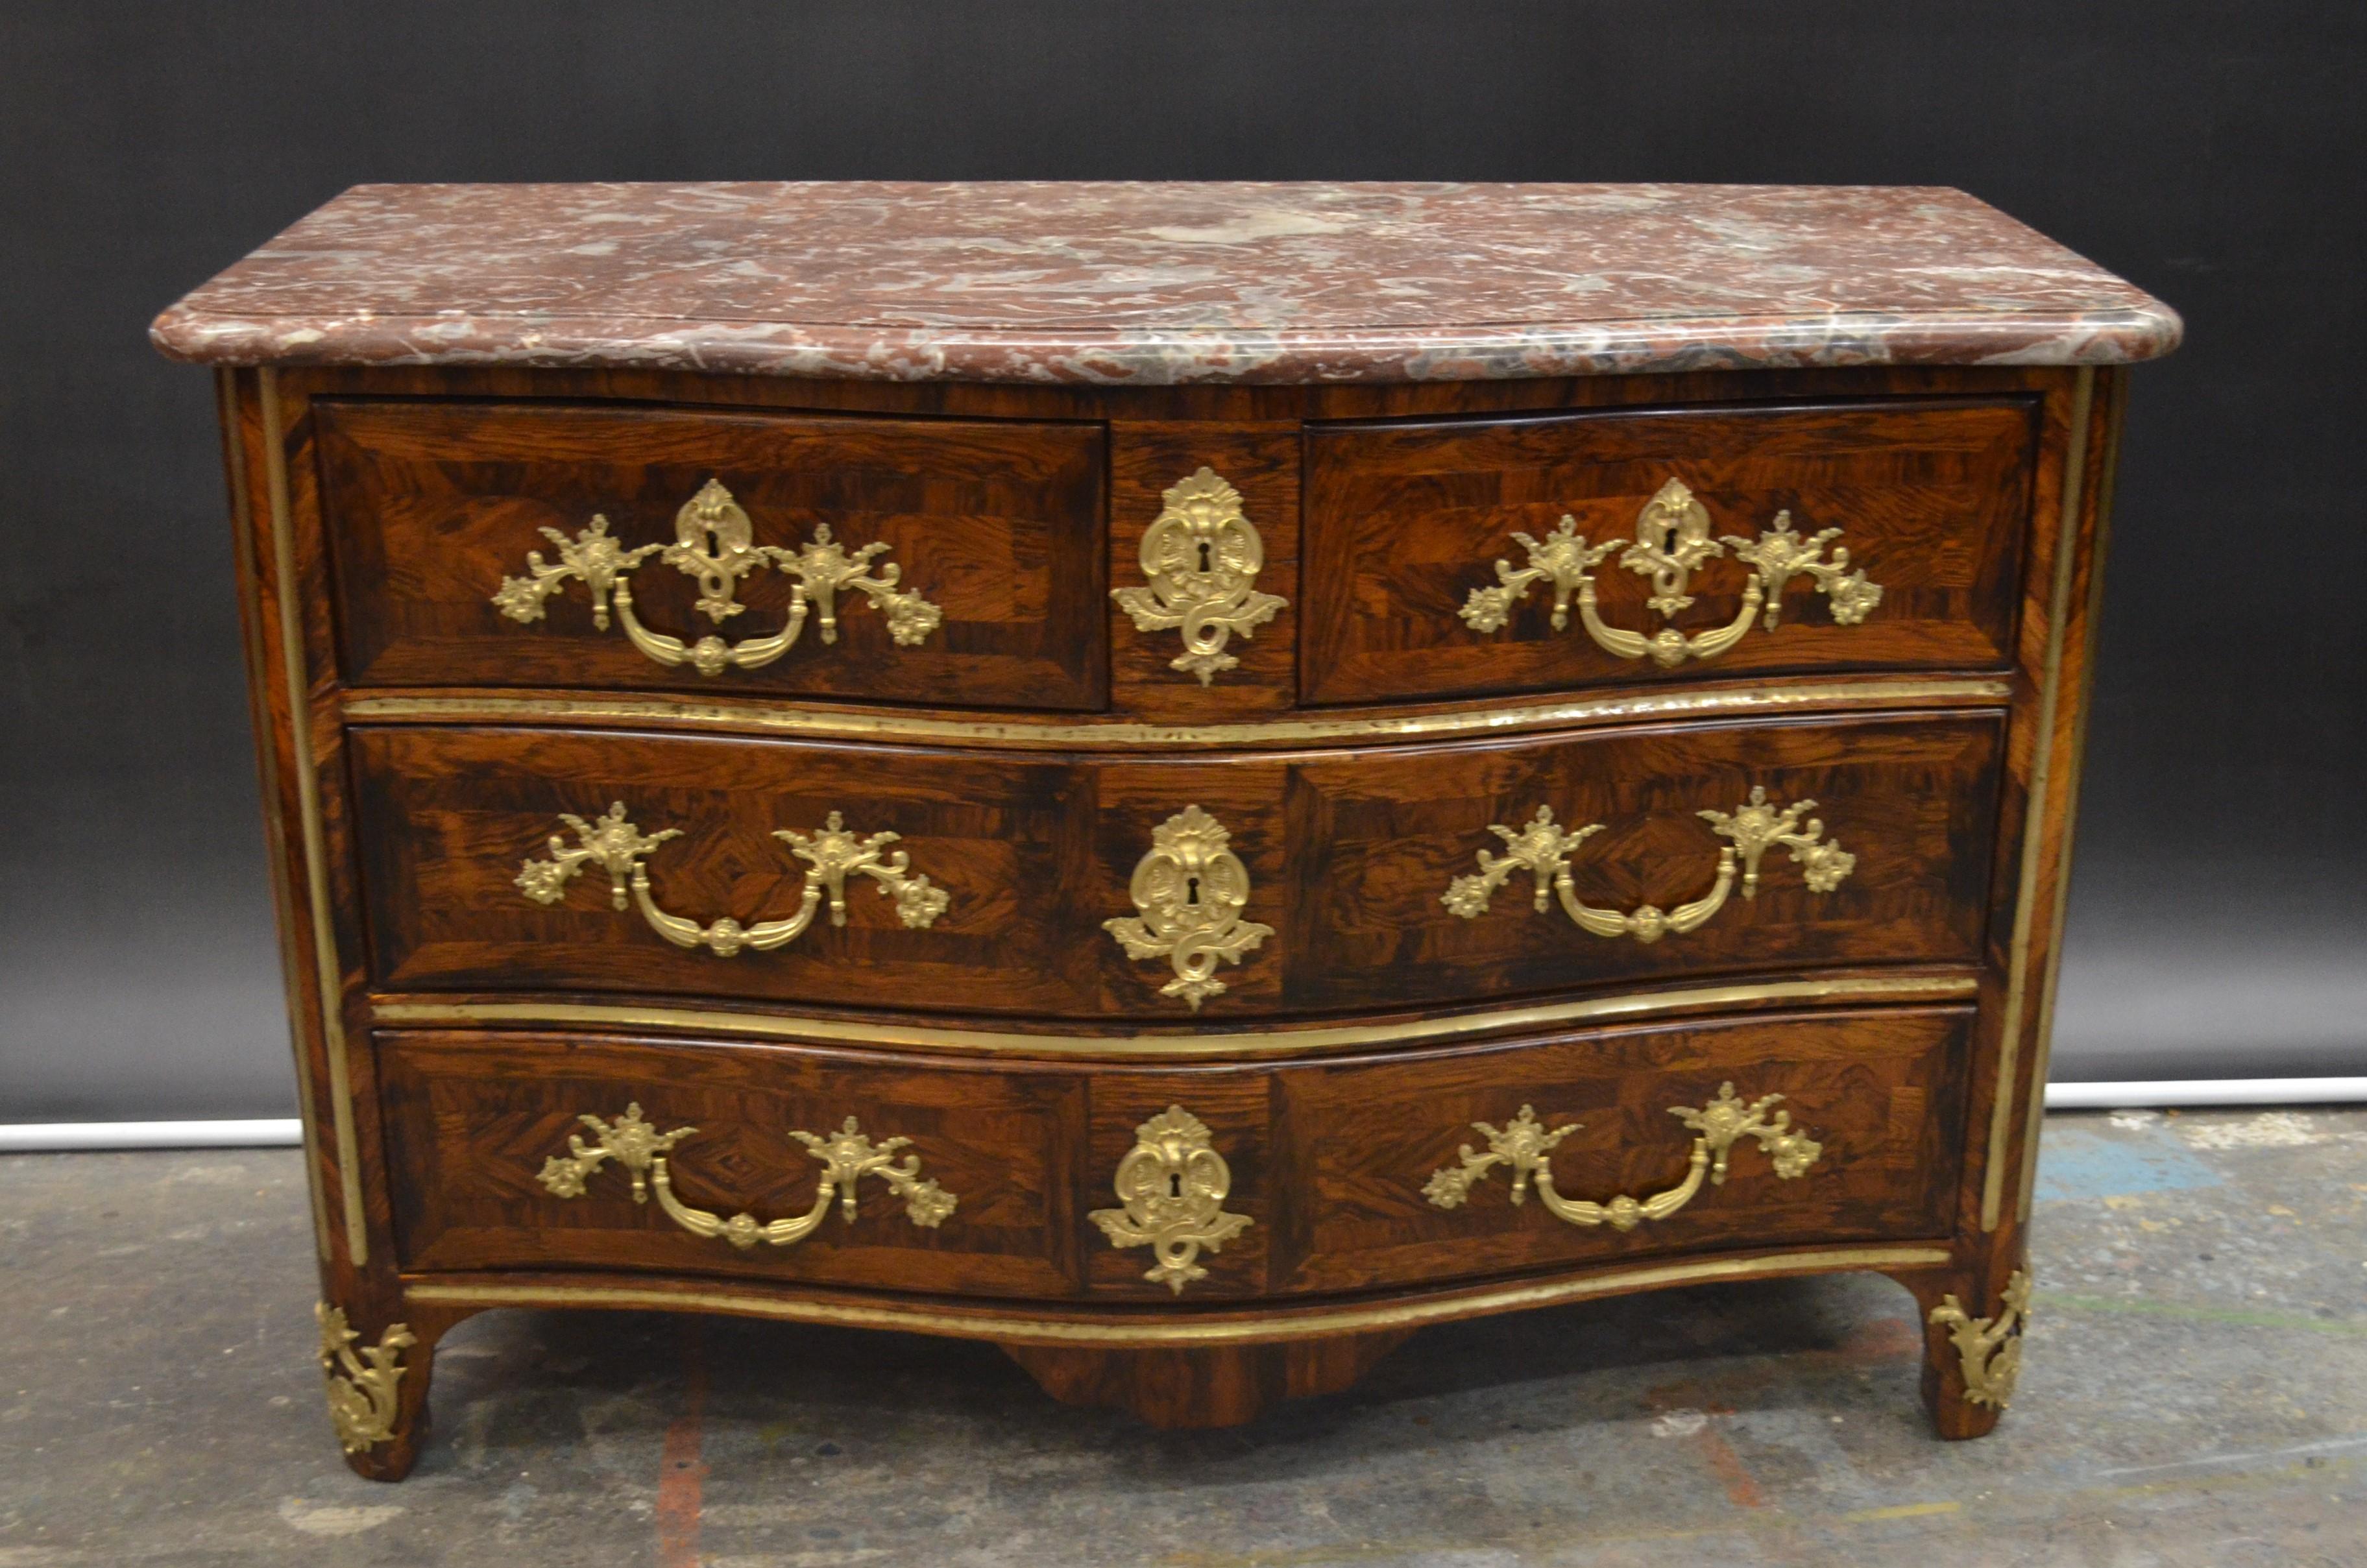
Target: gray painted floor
{"x":2196,"y":1392}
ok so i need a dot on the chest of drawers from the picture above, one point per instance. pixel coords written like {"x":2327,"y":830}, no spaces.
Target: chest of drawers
{"x":1184,"y":779}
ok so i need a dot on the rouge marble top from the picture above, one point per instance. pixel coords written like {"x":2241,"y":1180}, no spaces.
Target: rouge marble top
{"x":1154,"y":284}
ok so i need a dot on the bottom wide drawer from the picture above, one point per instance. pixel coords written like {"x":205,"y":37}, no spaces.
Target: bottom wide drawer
{"x":1205,"y":1182}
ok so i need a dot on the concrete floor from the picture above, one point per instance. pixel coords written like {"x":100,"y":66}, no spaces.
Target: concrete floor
{"x":2196,"y":1392}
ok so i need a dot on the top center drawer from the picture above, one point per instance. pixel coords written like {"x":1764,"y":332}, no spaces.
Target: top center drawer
{"x":950,"y":562}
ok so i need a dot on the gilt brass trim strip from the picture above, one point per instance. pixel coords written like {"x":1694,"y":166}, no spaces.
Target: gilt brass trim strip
{"x":1254,"y":1042}
{"x":308,"y":806}
{"x":2043,"y":1060}
{"x":244,"y":542}
{"x":1280,"y":1324}
{"x":2034,"y":834}
{"x":1083,"y":732}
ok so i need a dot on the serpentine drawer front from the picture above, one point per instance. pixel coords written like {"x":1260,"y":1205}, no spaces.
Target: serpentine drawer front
{"x":712,"y":1157}
{"x":923,"y":880}
{"x":1327,"y":759}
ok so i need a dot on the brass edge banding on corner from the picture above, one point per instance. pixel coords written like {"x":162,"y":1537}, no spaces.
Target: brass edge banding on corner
{"x":2034,"y":835}
{"x":1082,"y":732}
{"x":2042,"y":1058}
{"x":1154,"y":1331}
{"x":308,"y":805}
{"x":266,"y":751}
{"x":1262,"y":1043}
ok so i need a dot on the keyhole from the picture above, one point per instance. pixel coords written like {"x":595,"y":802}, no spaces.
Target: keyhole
{"x":1191,"y":890}
{"x":1174,"y":1185}
{"x":1204,"y":554}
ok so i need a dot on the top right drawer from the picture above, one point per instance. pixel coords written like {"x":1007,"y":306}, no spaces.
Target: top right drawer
{"x":1484,"y":557}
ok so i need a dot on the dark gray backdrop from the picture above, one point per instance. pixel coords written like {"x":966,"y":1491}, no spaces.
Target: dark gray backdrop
{"x":2211,"y":152}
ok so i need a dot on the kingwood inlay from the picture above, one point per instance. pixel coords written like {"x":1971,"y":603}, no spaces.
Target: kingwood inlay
{"x":1177,"y":1046}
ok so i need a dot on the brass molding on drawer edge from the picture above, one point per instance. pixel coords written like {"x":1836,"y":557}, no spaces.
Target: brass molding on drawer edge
{"x":1312,"y":1039}
{"x":1275,"y":1323}
{"x":1083,"y":732}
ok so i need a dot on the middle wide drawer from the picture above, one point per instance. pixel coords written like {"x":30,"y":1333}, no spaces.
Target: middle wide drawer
{"x":1165,"y":888}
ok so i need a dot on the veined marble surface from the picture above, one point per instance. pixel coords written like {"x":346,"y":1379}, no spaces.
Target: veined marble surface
{"x":1158,"y":284}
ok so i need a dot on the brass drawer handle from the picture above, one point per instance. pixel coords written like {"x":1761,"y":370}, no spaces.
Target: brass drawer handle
{"x":833,"y":855}
{"x":714,"y":543}
{"x":1671,"y":540}
{"x":1541,"y":847}
{"x":1525,"y":1146}
{"x":848,"y":1157}
{"x":1202,"y":557}
{"x":1173,"y":1184}
{"x":1189,"y":889}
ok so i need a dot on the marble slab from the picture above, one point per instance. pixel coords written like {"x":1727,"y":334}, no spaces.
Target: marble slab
{"x":1158,"y":284}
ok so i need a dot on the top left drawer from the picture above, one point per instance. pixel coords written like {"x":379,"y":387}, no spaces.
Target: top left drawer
{"x":955,"y":563}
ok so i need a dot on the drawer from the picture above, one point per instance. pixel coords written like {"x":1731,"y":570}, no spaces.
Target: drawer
{"x":492,"y":1165}
{"x":1176,"y":1186}
{"x":945,"y":869}
{"x":951,"y":562}
{"x":1457,"y":873}
{"x":522,"y":860}
{"x":1393,"y":1180}
{"x":1679,"y":522}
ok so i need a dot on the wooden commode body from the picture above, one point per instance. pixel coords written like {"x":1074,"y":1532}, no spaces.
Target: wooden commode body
{"x":1184,"y":779}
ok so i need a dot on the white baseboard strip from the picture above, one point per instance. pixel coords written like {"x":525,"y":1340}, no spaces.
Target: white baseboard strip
{"x":2205,"y":1092}
{"x":27,"y":1137}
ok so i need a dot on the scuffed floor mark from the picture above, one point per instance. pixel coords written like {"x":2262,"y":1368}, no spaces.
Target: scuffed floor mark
{"x":2219,"y":1461}
{"x":208,"y":1176}
{"x":2079,"y":1162}
{"x":337,"y":1519}
{"x":682,"y":1464}
{"x":2344,"y":1327}
{"x":1901,"y":1511}
{"x":2269,"y":1130}
{"x":1679,"y":1424}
